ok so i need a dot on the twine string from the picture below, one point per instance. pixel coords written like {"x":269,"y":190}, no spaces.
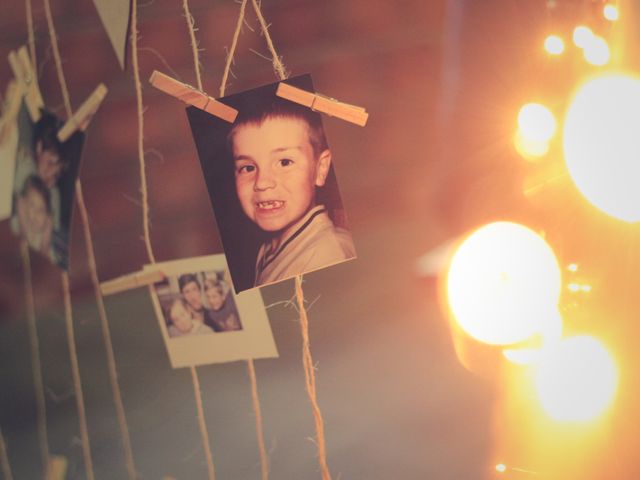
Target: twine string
{"x":138,"y":85}
{"x":36,"y":366}
{"x":194,"y":43}
{"x":310,"y":380}
{"x":75,"y":371}
{"x":4,"y":459}
{"x":32,"y":38}
{"x":93,"y":270}
{"x":57,"y":59}
{"x":278,"y":66}
{"x":232,"y":49}
{"x":202,"y":424}
{"x":264,"y":458}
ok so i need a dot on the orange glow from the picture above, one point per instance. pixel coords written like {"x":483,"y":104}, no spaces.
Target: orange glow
{"x":581,"y":36}
{"x":577,"y":380}
{"x":502,"y":284}
{"x":529,"y":149}
{"x":611,"y":12}
{"x":602,"y":146}
{"x":596,"y":51}
{"x":554,"y":45}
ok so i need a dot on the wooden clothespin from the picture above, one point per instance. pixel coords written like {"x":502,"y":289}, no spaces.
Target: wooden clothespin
{"x":22,"y":70}
{"x":192,"y":96}
{"x":131,"y":281}
{"x":80,"y":120}
{"x":320,"y":103}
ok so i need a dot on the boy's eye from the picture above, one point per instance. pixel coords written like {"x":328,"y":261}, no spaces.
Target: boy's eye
{"x":246,"y":169}
{"x":285,"y":162}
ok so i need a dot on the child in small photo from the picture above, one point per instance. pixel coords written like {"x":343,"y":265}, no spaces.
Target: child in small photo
{"x":35,"y":219}
{"x":281,"y":158}
{"x":222,"y":315}
{"x":182,"y":321}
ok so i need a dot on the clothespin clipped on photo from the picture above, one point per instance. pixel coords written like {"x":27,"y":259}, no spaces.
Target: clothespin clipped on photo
{"x":81,"y":119}
{"x":320,"y":103}
{"x":26,"y":77}
{"x":11,"y":104}
{"x":131,"y":281}
{"x":192,"y":96}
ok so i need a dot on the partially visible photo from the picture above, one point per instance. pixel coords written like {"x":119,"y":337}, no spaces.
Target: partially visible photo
{"x":201,"y":320}
{"x":272,"y":185}
{"x":44,"y":176}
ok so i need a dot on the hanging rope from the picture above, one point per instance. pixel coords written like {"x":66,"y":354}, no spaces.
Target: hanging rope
{"x":113,"y":376}
{"x":32,"y":39}
{"x":34,"y":344}
{"x":307,"y":359}
{"x":4,"y":459}
{"x":194,"y":44}
{"x":264,"y":458}
{"x":202,"y":424}
{"x":138,"y":85}
{"x":232,"y":49}
{"x":75,"y":371}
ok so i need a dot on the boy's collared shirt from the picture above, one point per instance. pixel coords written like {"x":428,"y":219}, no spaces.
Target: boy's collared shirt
{"x":314,"y":244}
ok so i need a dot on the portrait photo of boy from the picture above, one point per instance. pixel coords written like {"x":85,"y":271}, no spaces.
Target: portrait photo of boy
{"x":272,"y":185}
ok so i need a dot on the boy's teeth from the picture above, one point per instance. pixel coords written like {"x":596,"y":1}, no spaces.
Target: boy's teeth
{"x":270,"y":204}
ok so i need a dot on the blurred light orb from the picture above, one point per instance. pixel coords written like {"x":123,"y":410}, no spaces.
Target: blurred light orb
{"x":501,"y":468}
{"x":577,"y":380}
{"x":602,"y":144}
{"x":596,"y":51}
{"x":502,"y":283}
{"x":554,"y":45}
{"x":536,"y":123}
{"x":581,"y":36}
{"x":611,"y":12}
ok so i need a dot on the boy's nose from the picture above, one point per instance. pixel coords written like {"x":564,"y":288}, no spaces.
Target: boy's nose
{"x":264,"y":180}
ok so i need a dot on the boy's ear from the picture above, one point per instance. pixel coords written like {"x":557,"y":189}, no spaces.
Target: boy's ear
{"x":322,"y":169}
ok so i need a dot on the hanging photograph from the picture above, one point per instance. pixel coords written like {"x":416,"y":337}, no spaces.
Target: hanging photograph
{"x":272,"y":185}
{"x":201,"y":319}
{"x":44,"y":176}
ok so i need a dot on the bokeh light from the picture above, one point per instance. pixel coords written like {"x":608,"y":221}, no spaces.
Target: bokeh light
{"x":581,"y":36}
{"x":577,"y":380}
{"x":611,"y":12}
{"x":554,"y":45}
{"x":536,"y":122}
{"x":596,"y":51}
{"x":602,"y":145}
{"x":502,"y":283}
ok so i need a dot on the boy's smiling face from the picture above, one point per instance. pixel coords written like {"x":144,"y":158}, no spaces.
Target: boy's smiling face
{"x":276,"y":171}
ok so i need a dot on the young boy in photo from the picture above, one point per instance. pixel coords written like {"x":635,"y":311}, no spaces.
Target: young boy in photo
{"x":222,"y":315}
{"x":182,"y":321}
{"x":34,"y":215}
{"x":281,"y":158}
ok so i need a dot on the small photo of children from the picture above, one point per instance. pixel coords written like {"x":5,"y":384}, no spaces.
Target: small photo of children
{"x":196,"y":303}
{"x":44,"y":175}
{"x":272,"y":186}
{"x":201,"y":319}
